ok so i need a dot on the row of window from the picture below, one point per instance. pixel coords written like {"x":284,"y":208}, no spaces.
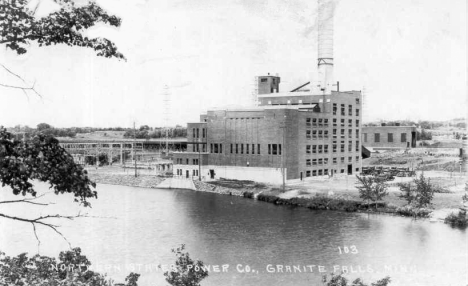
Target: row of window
{"x":196,"y":133}
{"x":180,"y":161}
{"x":403,"y":137}
{"x":323,"y":122}
{"x":314,"y":149}
{"x":343,"y":109}
{"x":323,"y":134}
{"x":324,"y":161}
{"x":180,"y":172}
{"x":324,"y":172}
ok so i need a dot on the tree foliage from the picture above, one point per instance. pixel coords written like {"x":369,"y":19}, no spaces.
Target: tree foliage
{"x":187,"y":272}
{"x":419,"y":193}
{"x":340,"y":280}
{"x":19,"y":27}
{"x":71,"y":268}
{"x":42,"y":159}
{"x":371,"y":188}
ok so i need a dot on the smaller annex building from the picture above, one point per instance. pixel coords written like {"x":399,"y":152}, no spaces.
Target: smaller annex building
{"x":389,"y":137}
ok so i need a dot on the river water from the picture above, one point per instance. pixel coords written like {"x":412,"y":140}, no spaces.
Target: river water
{"x":134,"y":229}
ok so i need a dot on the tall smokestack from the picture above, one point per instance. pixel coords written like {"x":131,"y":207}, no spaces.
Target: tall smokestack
{"x":326,"y":10}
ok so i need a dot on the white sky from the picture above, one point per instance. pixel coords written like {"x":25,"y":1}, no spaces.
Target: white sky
{"x":410,"y":55}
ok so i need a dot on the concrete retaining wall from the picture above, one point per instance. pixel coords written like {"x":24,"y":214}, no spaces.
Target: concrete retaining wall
{"x":177,"y":183}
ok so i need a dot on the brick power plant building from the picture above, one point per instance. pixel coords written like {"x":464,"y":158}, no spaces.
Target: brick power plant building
{"x":304,"y":134}
{"x":295,"y":135}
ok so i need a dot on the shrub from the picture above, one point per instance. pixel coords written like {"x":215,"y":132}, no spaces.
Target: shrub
{"x":419,"y":193}
{"x":339,"y":280}
{"x":248,"y":195}
{"x":459,"y":220}
{"x":411,"y":210}
{"x":187,"y":272}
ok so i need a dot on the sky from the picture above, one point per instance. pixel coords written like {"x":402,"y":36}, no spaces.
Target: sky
{"x":408,"y":56}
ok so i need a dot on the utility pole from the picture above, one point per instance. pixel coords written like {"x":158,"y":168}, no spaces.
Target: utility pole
{"x":133,"y":147}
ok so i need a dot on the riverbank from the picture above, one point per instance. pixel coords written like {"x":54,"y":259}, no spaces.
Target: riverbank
{"x":338,"y":193}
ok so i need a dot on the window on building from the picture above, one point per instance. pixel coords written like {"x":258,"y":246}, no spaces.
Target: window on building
{"x":334,"y":148}
{"x":279,"y":149}
{"x":350,"y":133}
{"x":357,"y":100}
{"x":342,"y":148}
{"x":198,"y":132}
{"x":320,"y":172}
{"x":320,"y":134}
{"x":314,"y":173}
{"x":357,"y":112}
{"x":308,"y":162}
{"x":350,"y":146}
{"x":342,"y":171}
{"x":365,"y":137}
{"x":263,"y":80}
{"x":350,"y":110}
{"x":203,"y":132}
{"x":334,"y":132}
{"x":314,"y":134}
{"x":342,"y":133}
{"x":308,"y":122}
{"x":193,"y":147}
{"x":325,"y":172}
{"x":403,"y":137}
{"x":308,"y":134}
{"x":377,"y":137}
{"x":320,"y":149}
{"x":325,"y":134}
{"x":320,"y":161}
{"x":220,"y":148}
{"x":246,"y":148}
{"x":193,"y":133}
{"x":357,"y":158}
{"x":314,"y":162}
{"x":242,"y":148}
{"x":253,"y":149}
{"x":325,"y":161}
{"x":211,"y":147}
{"x":320,"y":122}
{"x":350,"y":159}
{"x":258,"y":149}
{"x":325,"y":149}
{"x":343,"y":110}
{"x":334,"y":108}
{"x":314,"y":122}
{"x":325,"y":122}
{"x":307,"y":173}
{"x":216,"y":148}
{"x":357,"y":123}
{"x":390,"y":137}
{"x":237,"y":148}
{"x":357,"y":146}
{"x":357,"y":169}
{"x":334,"y":121}
{"x":357,"y":133}
{"x":314,"y":149}
{"x":186,"y":161}
{"x":350,"y":123}
{"x":231,"y":148}
{"x":342,"y":160}
{"x":342,"y":122}
{"x":335,"y":160}
{"x":308,"y":149}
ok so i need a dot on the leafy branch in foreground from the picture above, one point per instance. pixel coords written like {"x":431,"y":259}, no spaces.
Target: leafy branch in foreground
{"x":72,"y":268}
{"x":187,"y":272}
{"x":19,"y":27}
{"x":41,"y":159}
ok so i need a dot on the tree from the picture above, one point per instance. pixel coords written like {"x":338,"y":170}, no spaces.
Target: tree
{"x":339,"y":280}
{"x":419,"y":193}
{"x":41,"y":158}
{"x":43,"y":126}
{"x":371,"y":189}
{"x":19,"y":27}
{"x":72,"y":268}
{"x":187,"y":272}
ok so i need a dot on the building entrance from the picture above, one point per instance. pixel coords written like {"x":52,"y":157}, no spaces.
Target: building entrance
{"x":212,"y":174}
{"x":350,"y":169}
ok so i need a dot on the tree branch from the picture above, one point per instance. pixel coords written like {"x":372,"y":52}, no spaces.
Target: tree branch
{"x":28,"y":200}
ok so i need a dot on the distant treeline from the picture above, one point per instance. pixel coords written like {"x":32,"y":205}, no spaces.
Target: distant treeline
{"x":424,"y":124}
{"x":144,"y":132}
